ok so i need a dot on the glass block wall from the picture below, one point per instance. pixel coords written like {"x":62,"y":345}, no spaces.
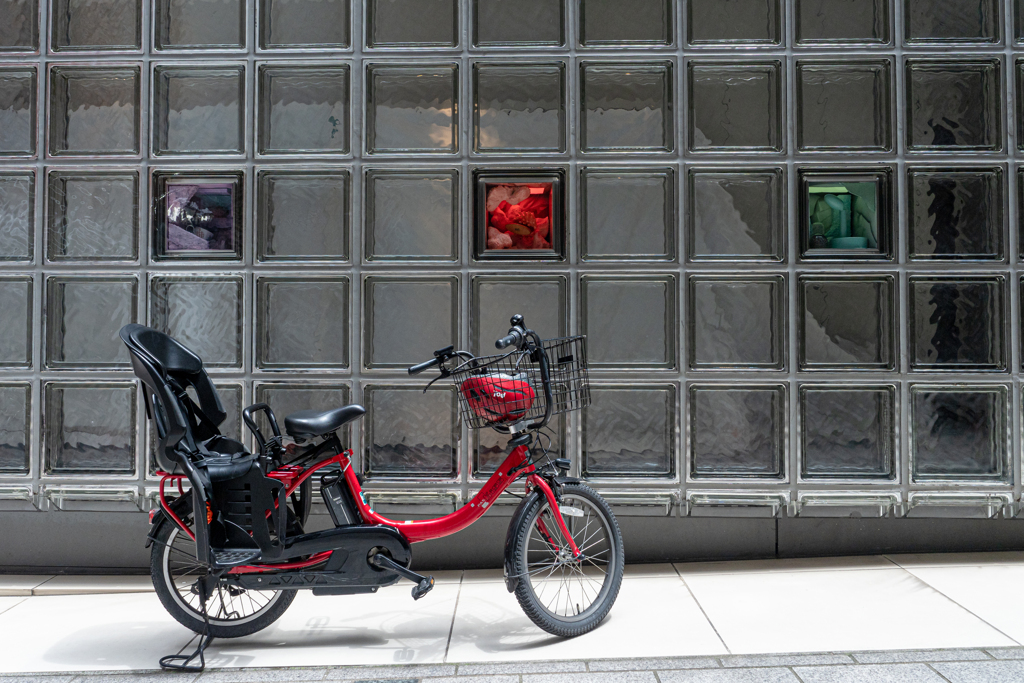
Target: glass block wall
{"x":789,"y":231}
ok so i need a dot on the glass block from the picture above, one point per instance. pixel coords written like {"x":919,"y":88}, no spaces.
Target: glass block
{"x":202,"y":24}
{"x":750,"y":22}
{"x":412,"y":109}
{"x":737,"y":431}
{"x":203,"y":313}
{"x":519,"y":107}
{"x":17,"y":215}
{"x":412,"y":216}
{"x":848,"y":433}
{"x":17,"y":111}
{"x":409,"y":432}
{"x":302,"y":323}
{"x":491,"y":448}
{"x":286,"y":398}
{"x":519,"y":215}
{"x":957,"y":323}
{"x":956,"y":213}
{"x":303,"y":109}
{"x":83,"y":318}
{"x":609,"y":22}
{"x":735,"y":215}
{"x":96,"y":25}
{"x":735,"y":107}
{"x":848,"y":322}
{"x":844,"y":105}
{"x":393,"y":306}
{"x":197,"y":215}
{"x":198,"y":110}
{"x":626,"y":107}
{"x":630,"y":322}
{"x":951,"y":21}
{"x":518,"y":22}
{"x":92,"y":216}
{"x":629,"y":432}
{"x":15,"y":427}
{"x":959,"y":433}
{"x":304,"y":23}
{"x":628,"y":214}
{"x":494,"y":299}
{"x":303,"y":215}
{"x":89,"y":427}
{"x":231,"y":398}
{"x":847,"y":214}
{"x":419,"y":23}
{"x":953,"y":105}
{"x":842,"y":21}
{"x":19,"y":32}
{"x":15,"y":322}
{"x":94,"y":110}
{"x":737,"y":323}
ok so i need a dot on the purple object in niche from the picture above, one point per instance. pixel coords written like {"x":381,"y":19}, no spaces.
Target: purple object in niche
{"x":200,"y":217}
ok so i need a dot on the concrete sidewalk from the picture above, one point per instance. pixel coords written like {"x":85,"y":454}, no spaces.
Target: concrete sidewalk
{"x":715,"y":621}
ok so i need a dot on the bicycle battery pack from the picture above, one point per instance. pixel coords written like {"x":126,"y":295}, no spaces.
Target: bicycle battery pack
{"x":339,"y":503}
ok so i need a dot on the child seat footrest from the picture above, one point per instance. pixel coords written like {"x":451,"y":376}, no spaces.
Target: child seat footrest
{"x":233,"y":558}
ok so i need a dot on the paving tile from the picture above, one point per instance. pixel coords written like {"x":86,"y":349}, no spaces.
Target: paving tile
{"x":262,"y":675}
{"x":21,"y":584}
{"x":390,"y":672}
{"x":94,"y":585}
{"x":36,"y":678}
{"x":958,"y":559}
{"x":785,"y":660}
{"x":606,"y":677}
{"x":794,"y":564}
{"x":653,"y":663}
{"x":559,"y":666}
{"x":640,"y":571}
{"x":869,"y":673}
{"x":138,"y":677}
{"x":9,"y":601}
{"x":776,"y":675}
{"x":1006,"y":652}
{"x":483,"y":678}
{"x":894,"y":656}
{"x":980,"y":672}
{"x":483,"y":576}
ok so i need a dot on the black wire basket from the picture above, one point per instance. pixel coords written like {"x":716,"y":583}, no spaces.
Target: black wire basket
{"x":500,"y":391}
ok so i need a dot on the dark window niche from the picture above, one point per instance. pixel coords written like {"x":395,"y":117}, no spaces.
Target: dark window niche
{"x":846,"y":215}
{"x":519,"y":215}
{"x":197,"y":215}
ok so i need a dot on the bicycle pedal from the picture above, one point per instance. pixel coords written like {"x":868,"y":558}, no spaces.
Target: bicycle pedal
{"x":423,"y":587}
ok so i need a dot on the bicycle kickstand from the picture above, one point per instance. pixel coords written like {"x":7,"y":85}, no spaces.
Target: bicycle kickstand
{"x":423,"y":583}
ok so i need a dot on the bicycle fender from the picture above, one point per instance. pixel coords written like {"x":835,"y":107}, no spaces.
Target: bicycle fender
{"x":562,"y":481}
{"x":518,"y":517}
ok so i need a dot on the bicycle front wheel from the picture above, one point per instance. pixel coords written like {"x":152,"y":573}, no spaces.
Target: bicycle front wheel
{"x":568,"y":597}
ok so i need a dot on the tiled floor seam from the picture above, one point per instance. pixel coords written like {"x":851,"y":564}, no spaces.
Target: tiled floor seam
{"x":451,"y":628}
{"x":937,"y":672}
{"x":36,"y":587}
{"x":702,"y":611}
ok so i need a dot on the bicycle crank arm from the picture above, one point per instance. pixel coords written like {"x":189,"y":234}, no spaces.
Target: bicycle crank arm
{"x":423,"y":583}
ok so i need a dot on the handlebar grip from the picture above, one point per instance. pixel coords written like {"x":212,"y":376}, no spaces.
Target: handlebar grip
{"x":507,"y":341}
{"x":425,"y":365}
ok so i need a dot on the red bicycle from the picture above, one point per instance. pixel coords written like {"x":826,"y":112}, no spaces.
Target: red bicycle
{"x":233,"y":569}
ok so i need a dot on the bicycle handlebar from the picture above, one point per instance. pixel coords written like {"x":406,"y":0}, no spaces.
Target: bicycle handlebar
{"x":425,"y":365}
{"x":514,"y":338}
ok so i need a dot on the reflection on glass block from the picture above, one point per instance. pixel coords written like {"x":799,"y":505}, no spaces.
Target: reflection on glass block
{"x":847,"y":433}
{"x":959,"y":433}
{"x":409,"y":432}
{"x":629,"y":322}
{"x":17,"y":111}
{"x":304,"y":23}
{"x":19,"y":31}
{"x":286,"y":398}
{"x":494,"y":299}
{"x":519,"y":107}
{"x":737,"y":431}
{"x":89,"y":427}
{"x":96,"y":25}
{"x":609,"y":22}
{"x":953,"y":105}
{"x":846,"y":214}
{"x":628,"y":214}
{"x":957,"y":323}
{"x":737,"y":323}
{"x":844,"y":105}
{"x":199,"y":24}
{"x":956,"y":214}
{"x":735,"y":215}
{"x":203,"y":313}
{"x":15,"y":322}
{"x":198,"y":110}
{"x":626,"y":107}
{"x":231,"y":398}
{"x":93,"y":216}
{"x":301,"y":323}
{"x":412,"y":109}
{"x":518,"y":22}
{"x":83,"y":317}
{"x":752,"y":22}
{"x":197,"y":215}
{"x":303,"y":109}
{"x":629,"y":431}
{"x":17,"y":215}
{"x":412,"y":216}
{"x":735,"y":107}
{"x":393,"y":306}
{"x":421,"y":23}
{"x":842,"y":21}
{"x":951,"y":21}
{"x":303,"y":215}
{"x":847,"y":323}
{"x":94,"y":110}
{"x":491,"y":448}
{"x":15,"y":427}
